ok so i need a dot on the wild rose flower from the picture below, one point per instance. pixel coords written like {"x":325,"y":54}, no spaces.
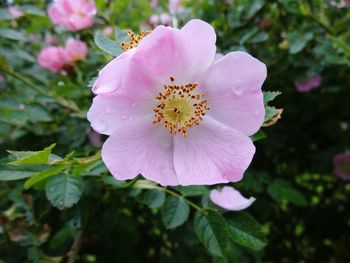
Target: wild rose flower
{"x":174,"y":115}
{"x":52,"y":58}
{"x":162,"y":19}
{"x":175,"y":6}
{"x":309,"y":84}
{"x":230,"y":199}
{"x":73,"y":15}
{"x":341,"y":163}
{"x":75,"y":50}
{"x":15,"y":12}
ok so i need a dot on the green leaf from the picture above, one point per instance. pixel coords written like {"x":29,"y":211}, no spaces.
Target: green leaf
{"x":40,"y":157}
{"x":280,"y":190}
{"x":246,"y":231}
{"x":32,"y":10}
{"x":341,"y":44}
{"x":154,"y":198}
{"x":193,"y":190}
{"x":107,"y":45}
{"x":5,"y":14}
{"x":269,"y":112}
{"x":9,"y":175}
{"x":211,"y":229}
{"x":11,"y":34}
{"x":175,"y":212}
{"x":63,"y":191}
{"x":259,"y":135}
{"x":297,"y":41}
{"x":270,"y":96}
{"x":43,"y":175}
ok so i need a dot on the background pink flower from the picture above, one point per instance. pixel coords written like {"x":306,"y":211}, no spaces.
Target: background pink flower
{"x":173,"y":114}
{"x":15,"y":11}
{"x":75,"y":50}
{"x":309,"y":84}
{"x":52,"y":58}
{"x":73,"y":15}
{"x":341,"y":163}
{"x":175,"y":6}
{"x":230,"y":199}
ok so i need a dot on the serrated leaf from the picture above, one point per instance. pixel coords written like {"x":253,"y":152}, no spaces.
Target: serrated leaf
{"x":63,"y":191}
{"x":107,"y":45}
{"x":154,"y":198}
{"x":280,"y":190}
{"x":175,"y":212}
{"x":246,"y":231}
{"x":39,"y":157}
{"x":42,"y":176}
{"x":269,"y":112}
{"x":211,"y":229}
{"x":11,"y":34}
{"x":270,"y":96}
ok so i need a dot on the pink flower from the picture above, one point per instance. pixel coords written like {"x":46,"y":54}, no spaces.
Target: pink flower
{"x":108,"y":30}
{"x":15,"y":11}
{"x":230,"y":199}
{"x":218,"y":56}
{"x":162,"y":19}
{"x":309,"y":84}
{"x":75,"y":50}
{"x":154,"y":3}
{"x":341,"y":163}
{"x":52,"y":58}
{"x":73,"y":15}
{"x":175,"y":6}
{"x":173,"y":114}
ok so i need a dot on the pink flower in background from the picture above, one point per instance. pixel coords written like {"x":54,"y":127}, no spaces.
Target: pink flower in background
{"x":175,"y":6}
{"x":2,"y":82}
{"x":15,"y":11}
{"x":154,"y":3}
{"x":162,"y":19}
{"x":341,"y":163}
{"x":309,"y":84}
{"x":52,"y":58}
{"x":75,"y":50}
{"x":108,"y":30}
{"x":230,"y":199}
{"x":173,"y":114}
{"x":73,"y":15}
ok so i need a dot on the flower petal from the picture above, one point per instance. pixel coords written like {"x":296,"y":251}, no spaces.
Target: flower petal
{"x":169,"y":52}
{"x":212,"y":153}
{"x":230,"y":199}
{"x":140,"y":147}
{"x":233,"y":88}
{"x":110,"y":111}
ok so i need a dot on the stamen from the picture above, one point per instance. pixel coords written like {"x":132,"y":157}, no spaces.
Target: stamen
{"x":178,"y":112}
{"x":134,"y":40}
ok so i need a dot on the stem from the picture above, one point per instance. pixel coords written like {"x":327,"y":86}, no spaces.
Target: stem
{"x":26,"y":81}
{"x":166,"y":190}
{"x":75,"y":247}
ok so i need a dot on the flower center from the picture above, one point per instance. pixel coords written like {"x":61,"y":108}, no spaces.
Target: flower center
{"x":134,"y":40}
{"x":180,"y":107}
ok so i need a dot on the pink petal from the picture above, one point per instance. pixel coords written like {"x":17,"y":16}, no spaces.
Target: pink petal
{"x":230,"y":199}
{"x":140,"y":147}
{"x":233,"y":88}
{"x":109,"y":112}
{"x":212,"y":153}
{"x":183,"y":54}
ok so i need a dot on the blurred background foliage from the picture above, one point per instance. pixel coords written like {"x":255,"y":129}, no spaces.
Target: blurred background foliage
{"x":302,"y":207}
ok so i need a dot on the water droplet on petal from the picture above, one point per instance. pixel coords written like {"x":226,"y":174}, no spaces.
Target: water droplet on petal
{"x":237,"y":91}
{"x":108,"y":110}
{"x":100,"y":127}
{"x":123,"y":117}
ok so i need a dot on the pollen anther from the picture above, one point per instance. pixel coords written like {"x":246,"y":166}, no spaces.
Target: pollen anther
{"x":180,"y":107}
{"x":134,"y":40}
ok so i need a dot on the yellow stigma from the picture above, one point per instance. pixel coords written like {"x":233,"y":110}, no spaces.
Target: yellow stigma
{"x":134,"y":40}
{"x":180,"y":107}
